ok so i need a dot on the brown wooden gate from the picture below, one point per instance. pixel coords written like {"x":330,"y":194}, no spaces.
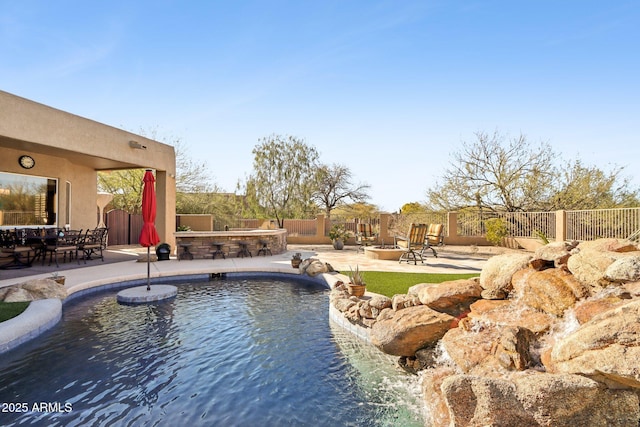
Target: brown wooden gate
{"x":124,"y":228}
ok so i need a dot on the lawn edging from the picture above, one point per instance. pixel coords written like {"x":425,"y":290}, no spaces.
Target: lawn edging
{"x":40,"y":316}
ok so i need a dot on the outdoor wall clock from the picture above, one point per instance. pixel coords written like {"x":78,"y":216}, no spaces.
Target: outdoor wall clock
{"x":27,"y":162}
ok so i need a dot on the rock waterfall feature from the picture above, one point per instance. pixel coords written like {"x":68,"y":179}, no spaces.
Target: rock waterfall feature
{"x":550,"y":338}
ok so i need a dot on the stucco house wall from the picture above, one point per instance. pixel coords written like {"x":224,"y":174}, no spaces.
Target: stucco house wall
{"x":73,"y":149}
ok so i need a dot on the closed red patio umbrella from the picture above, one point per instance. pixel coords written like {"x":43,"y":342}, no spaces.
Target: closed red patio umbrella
{"x":149,"y":235}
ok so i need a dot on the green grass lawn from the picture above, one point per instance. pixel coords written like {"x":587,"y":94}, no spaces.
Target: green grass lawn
{"x":391,"y":283}
{"x":10,"y":310}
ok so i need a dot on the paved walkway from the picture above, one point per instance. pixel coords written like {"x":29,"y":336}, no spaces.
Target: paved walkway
{"x":121,"y":264}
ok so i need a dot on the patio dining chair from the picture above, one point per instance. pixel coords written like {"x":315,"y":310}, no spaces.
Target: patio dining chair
{"x":412,"y":243}
{"x":60,"y":241}
{"x":93,"y":244}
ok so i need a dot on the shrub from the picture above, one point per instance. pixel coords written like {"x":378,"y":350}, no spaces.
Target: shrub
{"x":496,"y":230}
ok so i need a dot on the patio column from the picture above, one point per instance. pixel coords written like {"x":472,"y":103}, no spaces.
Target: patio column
{"x":452,"y":225}
{"x":166,"y":207}
{"x":561,"y":226}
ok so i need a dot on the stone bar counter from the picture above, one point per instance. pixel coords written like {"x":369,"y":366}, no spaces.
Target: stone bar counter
{"x":200,"y":244}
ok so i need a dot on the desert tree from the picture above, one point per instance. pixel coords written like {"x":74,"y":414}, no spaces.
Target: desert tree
{"x":334,"y":188}
{"x":282,"y":182}
{"x":497,"y":174}
{"x":581,"y":187}
{"x":194,"y":184}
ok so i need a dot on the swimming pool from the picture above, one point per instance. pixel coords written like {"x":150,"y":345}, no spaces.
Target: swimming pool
{"x":232,"y":352}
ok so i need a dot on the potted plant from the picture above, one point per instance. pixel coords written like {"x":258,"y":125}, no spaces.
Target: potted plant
{"x":356,"y":285}
{"x":296,"y":259}
{"x":55,"y":276}
{"x":338,"y":235}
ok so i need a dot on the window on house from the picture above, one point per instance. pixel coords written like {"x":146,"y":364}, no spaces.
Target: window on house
{"x":27,"y":200}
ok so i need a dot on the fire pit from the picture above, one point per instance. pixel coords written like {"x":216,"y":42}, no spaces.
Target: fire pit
{"x":383,"y":252}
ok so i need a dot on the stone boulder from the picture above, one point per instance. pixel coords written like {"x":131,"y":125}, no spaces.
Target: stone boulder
{"x":608,"y":245}
{"x":606,"y":348}
{"x":586,"y":310}
{"x":432,"y":395}
{"x":453,"y":297}
{"x":410,"y":329}
{"x":510,"y":313}
{"x":343,"y":304}
{"x":366,"y":311}
{"x":632,"y":288}
{"x":512,"y":349}
{"x":142,"y":257}
{"x":552,"y":290}
{"x":495,"y":276}
{"x":536,"y":399}
{"x":33,"y":290}
{"x":380,"y":302}
{"x":45,"y":289}
{"x":400,"y":301}
{"x":415,"y":289}
{"x":469,"y":348}
{"x":16,"y":294}
{"x":555,"y":254}
{"x":489,"y":350}
{"x":625,"y":269}
{"x":482,"y":401}
{"x":589,"y":265}
{"x":313,"y":267}
{"x":4,"y":291}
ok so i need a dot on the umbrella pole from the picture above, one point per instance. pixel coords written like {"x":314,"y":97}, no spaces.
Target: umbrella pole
{"x":148,"y":269}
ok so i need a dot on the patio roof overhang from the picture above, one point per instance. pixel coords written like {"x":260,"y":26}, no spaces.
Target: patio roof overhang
{"x":37,"y":128}
{"x":97,"y":163}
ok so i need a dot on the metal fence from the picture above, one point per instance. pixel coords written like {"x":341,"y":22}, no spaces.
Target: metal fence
{"x":579,"y":225}
{"x":12,"y":218}
{"x":301,"y":227}
{"x":519,"y":224}
{"x":603,"y":223}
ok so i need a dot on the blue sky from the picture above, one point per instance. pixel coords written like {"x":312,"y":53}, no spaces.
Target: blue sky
{"x":388,"y":88}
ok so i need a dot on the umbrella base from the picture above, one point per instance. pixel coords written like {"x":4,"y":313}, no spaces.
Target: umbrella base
{"x":140,"y":294}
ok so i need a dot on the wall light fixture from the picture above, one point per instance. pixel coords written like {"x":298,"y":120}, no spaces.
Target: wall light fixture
{"x":136,"y":144}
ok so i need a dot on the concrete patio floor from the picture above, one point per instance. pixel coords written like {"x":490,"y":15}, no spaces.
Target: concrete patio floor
{"x":121,"y":264}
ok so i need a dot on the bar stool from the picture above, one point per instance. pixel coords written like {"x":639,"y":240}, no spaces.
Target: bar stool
{"x":265,"y":248}
{"x":244,"y":251}
{"x":218,"y":251}
{"x":186,"y":253}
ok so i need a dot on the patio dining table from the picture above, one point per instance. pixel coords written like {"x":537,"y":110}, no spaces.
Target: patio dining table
{"x":16,"y":251}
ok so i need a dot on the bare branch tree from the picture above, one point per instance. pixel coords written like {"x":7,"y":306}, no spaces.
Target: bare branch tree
{"x":334,"y":188}
{"x":496,"y":174}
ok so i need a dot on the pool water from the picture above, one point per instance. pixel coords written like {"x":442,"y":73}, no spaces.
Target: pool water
{"x":233,"y":352}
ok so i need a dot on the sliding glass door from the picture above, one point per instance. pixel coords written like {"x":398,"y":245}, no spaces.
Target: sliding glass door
{"x":28,"y":200}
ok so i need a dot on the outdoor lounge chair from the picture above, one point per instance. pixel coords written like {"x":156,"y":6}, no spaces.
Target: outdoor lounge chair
{"x":435,"y":237}
{"x":365,"y":236}
{"x":412,"y":243}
